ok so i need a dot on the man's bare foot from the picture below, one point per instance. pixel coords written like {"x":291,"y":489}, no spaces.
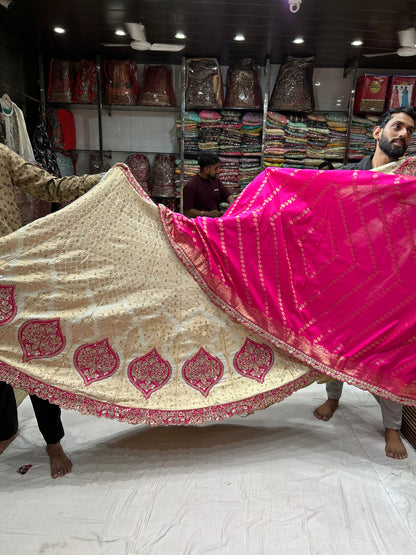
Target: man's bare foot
{"x":326,"y":410}
{"x":394,"y":445}
{"x":60,"y":464}
{"x":6,"y":442}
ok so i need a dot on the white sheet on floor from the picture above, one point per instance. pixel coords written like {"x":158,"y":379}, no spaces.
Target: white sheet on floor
{"x":277,"y":482}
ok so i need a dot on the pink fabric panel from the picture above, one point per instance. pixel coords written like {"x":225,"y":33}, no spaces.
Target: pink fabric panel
{"x":323,"y":262}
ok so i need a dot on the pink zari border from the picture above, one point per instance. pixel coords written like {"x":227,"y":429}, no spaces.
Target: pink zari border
{"x":151,"y":417}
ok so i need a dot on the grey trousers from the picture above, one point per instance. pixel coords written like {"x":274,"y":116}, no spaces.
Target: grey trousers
{"x":390,"y":411}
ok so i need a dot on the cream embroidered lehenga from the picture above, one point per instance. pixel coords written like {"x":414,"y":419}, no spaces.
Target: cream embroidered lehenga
{"x":119,"y":308}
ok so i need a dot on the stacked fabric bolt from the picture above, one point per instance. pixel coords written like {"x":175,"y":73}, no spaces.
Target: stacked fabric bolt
{"x":337,"y":125}
{"x":231,"y":133}
{"x":291,"y":140}
{"x":275,"y":139}
{"x":361,"y":137}
{"x":296,"y":141}
{"x":303,"y":141}
{"x":209,"y":131}
{"x":228,"y":173}
{"x":249,"y":168}
{"x":252,"y":133}
{"x":190,"y":168}
{"x":317,"y":139}
{"x":192,"y":121}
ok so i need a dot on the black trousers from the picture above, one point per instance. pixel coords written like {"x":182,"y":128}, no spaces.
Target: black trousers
{"x":47,"y":415}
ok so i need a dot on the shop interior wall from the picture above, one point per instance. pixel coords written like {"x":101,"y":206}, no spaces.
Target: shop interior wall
{"x":129,"y":130}
{"x":137,"y":130}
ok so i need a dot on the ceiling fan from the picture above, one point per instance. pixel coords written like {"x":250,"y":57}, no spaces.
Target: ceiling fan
{"x":138,"y":41}
{"x":407,"y":39}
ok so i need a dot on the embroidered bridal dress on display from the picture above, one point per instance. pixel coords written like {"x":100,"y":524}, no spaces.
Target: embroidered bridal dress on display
{"x":117,"y":307}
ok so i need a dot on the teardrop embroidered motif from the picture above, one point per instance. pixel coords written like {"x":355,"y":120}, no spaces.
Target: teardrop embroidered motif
{"x":149,"y":373}
{"x":202,"y":371}
{"x":96,"y":361}
{"x":254,"y":360}
{"x":41,"y":339}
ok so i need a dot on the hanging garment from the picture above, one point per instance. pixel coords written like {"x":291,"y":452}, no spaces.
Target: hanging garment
{"x":293,"y":90}
{"x":143,"y":315}
{"x":242,"y":85}
{"x":44,"y":154}
{"x":121,"y":85}
{"x":61,"y":81}
{"x":67,"y":122}
{"x":3,"y":138}
{"x":203,"y":83}
{"x":61,"y":129}
{"x":16,"y":132}
{"x":85,"y":90}
{"x":157,"y":87}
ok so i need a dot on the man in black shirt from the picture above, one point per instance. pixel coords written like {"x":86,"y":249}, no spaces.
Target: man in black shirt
{"x":204,"y":192}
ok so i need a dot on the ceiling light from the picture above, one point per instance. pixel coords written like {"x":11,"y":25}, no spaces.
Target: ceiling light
{"x":318,"y":84}
{"x":240,"y":37}
{"x":59,"y":30}
{"x":180,"y":35}
{"x":298,"y":40}
{"x":357,"y":43}
{"x":120,"y":33}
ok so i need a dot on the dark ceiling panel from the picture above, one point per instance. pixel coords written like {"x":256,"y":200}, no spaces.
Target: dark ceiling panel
{"x":327,"y":27}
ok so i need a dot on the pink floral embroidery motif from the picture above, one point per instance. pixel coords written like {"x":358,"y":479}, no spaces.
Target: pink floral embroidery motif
{"x":202,"y":371}
{"x":41,"y":339}
{"x":96,"y":361}
{"x":254,"y":360}
{"x":8,"y":306}
{"x":149,"y":373}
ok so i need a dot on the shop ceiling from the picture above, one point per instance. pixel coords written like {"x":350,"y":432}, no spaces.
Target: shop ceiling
{"x":327,"y":26}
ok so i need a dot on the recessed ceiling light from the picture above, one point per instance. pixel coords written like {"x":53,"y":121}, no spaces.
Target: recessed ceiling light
{"x":59,"y":30}
{"x":180,"y":35}
{"x":240,"y":37}
{"x":357,"y":43}
{"x":298,"y":40}
{"x":120,"y":33}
